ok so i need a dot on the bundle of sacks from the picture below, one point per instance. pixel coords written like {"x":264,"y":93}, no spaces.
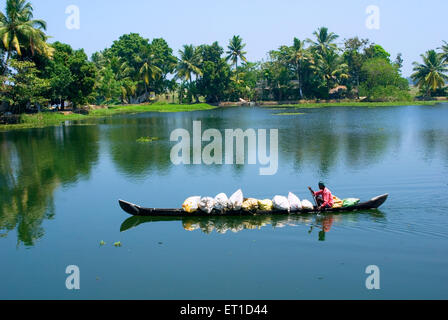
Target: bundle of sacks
{"x":237,"y":202}
{"x":219,"y":203}
{"x":292,"y":203}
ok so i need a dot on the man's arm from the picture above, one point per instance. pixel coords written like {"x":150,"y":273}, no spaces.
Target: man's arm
{"x":324,"y":204}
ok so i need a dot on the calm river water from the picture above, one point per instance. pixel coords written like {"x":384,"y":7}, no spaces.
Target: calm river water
{"x":59,"y":188}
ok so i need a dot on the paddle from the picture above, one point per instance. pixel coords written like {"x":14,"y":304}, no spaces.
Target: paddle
{"x":314,"y":197}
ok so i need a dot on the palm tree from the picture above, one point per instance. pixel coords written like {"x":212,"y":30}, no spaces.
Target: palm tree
{"x":300,"y":57}
{"x":331,"y":68}
{"x":445,"y":51}
{"x":149,"y":69}
{"x":431,"y":74}
{"x":188,"y":63}
{"x":324,"y":40}
{"x":235,"y":52}
{"x":19,"y":31}
{"x":122,"y":73}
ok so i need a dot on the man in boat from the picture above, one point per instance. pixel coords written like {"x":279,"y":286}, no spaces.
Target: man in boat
{"x":323,"y":197}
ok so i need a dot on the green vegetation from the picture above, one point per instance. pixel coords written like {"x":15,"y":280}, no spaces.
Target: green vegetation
{"x":147,"y":139}
{"x":288,"y":114}
{"x":431,"y":74}
{"x":357,"y":104}
{"x":36,"y":75}
{"x":45,"y":119}
{"x":20,"y":33}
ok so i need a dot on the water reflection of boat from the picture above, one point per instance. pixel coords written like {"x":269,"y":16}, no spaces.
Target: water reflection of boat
{"x":136,"y":210}
{"x":223,"y":224}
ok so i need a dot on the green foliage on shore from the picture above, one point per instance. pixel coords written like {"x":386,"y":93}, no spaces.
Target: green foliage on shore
{"x":133,"y":70}
{"x":357,"y":104}
{"x":45,"y":119}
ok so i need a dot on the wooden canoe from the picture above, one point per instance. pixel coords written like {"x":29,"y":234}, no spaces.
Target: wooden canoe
{"x":136,"y":210}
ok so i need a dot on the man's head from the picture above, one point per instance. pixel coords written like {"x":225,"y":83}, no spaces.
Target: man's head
{"x":321,"y":185}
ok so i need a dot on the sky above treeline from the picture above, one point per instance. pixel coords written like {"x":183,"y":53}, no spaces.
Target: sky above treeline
{"x":410,"y":27}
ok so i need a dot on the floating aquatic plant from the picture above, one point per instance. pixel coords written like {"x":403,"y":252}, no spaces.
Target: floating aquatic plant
{"x":147,"y":139}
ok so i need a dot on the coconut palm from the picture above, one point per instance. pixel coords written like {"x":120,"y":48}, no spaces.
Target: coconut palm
{"x":324,"y":40}
{"x":444,"y":51}
{"x":120,"y":67}
{"x":300,"y":58}
{"x":431,"y":74}
{"x":188,"y":64}
{"x":149,"y":69}
{"x":235,"y":52}
{"x":122,"y":73}
{"x":18,"y":30}
{"x":331,"y":68}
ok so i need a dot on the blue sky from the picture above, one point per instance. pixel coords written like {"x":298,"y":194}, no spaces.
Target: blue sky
{"x":410,"y":27}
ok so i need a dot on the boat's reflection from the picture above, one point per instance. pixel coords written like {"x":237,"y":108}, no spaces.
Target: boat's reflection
{"x":322,"y":223}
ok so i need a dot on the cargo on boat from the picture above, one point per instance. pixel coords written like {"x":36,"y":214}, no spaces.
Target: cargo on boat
{"x":137,"y":210}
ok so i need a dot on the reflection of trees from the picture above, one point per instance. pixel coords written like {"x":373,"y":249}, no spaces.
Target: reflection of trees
{"x":322,"y":137}
{"x":317,"y":139}
{"x":435,"y":141}
{"x":33,"y":164}
{"x":136,"y":158}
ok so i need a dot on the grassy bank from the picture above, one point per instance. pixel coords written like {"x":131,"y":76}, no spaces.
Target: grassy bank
{"x":45,"y":119}
{"x":355,"y":104}
{"x":112,"y":110}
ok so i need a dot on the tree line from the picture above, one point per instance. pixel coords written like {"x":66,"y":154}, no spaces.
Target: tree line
{"x":35,"y":73}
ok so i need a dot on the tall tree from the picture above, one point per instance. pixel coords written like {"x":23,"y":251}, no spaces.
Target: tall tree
{"x":216,"y":73}
{"x":71,"y":75}
{"x":166,"y":62}
{"x":148,"y":67}
{"x":399,"y":61}
{"x":381,"y":81}
{"x":27,"y":89}
{"x":354,"y":59}
{"x":444,"y":48}
{"x":277,"y":73}
{"x":236,"y":50}
{"x":432,"y":73}
{"x":376,"y":51}
{"x":188,"y":64}
{"x":331,"y":68}
{"x":325,"y":40}
{"x":19,"y":32}
{"x":301,"y":59}
{"x":129,"y":48}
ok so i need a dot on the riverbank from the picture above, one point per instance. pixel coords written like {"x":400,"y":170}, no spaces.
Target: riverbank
{"x":46,"y":119}
{"x":331,"y":103}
